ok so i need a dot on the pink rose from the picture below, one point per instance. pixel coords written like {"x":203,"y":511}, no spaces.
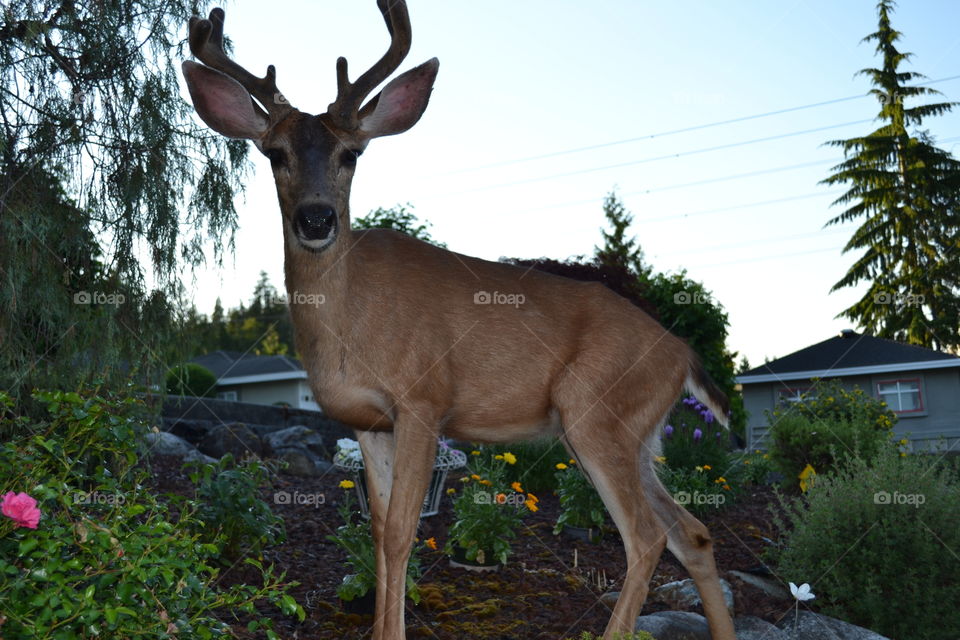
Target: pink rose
{"x":21,"y":508}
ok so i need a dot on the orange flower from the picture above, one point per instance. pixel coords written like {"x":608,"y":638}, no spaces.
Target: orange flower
{"x":516,"y":487}
{"x":431,"y":542}
{"x":501,"y":498}
{"x":532,"y":505}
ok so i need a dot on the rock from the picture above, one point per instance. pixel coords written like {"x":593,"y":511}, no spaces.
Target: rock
{"x":193,"y":431}
{"x":297,"y":437}
{"x":683,"y":594}
{"x":235,"y":438}
{"x":770,"y":586}
{"x":163,"y":443}
{"x":610,"y":599}
{"x":299,"y":462}
{"x":814,"y":626}
{"x":196,"y":456}
{"x":674,"y":625}
{"x":751,"y":628}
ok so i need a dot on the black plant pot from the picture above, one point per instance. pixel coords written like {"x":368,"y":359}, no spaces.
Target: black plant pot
{"x":587,"y":534}
{"x":459,"y":560}
{"x":365,"y":605}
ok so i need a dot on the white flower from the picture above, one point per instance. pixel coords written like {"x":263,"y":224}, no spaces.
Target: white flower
{"x":348,"y":449}
{"x":801,"y":593}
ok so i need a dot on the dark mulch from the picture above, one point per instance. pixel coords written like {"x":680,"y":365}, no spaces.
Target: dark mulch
{"x":550,"y":588}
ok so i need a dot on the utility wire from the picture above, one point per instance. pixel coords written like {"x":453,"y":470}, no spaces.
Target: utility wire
{"x":671,"y":132}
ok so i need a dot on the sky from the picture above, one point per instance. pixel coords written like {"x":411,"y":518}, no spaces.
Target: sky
{"x":708,"y":118}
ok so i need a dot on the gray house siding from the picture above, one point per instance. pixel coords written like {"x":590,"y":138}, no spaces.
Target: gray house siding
{"x":936,"y":426}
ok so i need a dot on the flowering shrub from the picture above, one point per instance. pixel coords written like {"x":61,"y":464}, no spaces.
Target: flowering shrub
{"x":694,"y":438}
{"x":870,"y":529}
{"x":488,"y":509}
{"x":699,"y":489}
{"x":355,"y":538}
{"x":580,"y":503}
{"x":106,"y":558}
{"x":817,"y":431}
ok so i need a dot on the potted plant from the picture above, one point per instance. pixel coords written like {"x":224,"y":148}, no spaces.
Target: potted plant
{"x":488,"y":511}
{"x":582,"y":509}
{"x":357,"y":591}
{"x":349,"y":458}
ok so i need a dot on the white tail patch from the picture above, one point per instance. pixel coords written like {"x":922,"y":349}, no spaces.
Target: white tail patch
{"x":698,"y":392}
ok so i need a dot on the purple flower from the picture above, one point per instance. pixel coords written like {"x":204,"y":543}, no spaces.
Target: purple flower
{"x":689,"y":400}
{"x":707,"y":416}
{"x":668,"y":431}
{"x":697,"y":434}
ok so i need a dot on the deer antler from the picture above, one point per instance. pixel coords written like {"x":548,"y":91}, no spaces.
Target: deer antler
{"x":345,"y":110}
{"x":206,"y":43}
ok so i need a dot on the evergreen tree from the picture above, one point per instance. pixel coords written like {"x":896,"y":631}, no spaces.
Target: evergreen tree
{"x":101,"y":162}
{"x":617,"y":249}
{"x":399,"y":218}
{"x":905,"y":190}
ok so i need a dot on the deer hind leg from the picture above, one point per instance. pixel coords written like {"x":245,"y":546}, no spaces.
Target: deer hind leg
{"x":689,"y":540}
{"x":611,"y":463}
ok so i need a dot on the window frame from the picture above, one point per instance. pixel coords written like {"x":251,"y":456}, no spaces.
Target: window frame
{"x":922,"y":410}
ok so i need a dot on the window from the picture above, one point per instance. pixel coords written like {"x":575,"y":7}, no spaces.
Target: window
{"x":227,"y":395}
{"x":902,"y":396}
{"x":793,"y":395}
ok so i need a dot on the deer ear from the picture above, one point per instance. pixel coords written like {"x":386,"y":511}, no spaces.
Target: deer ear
{"x":223,"y":103}
{"x":401,"y":103}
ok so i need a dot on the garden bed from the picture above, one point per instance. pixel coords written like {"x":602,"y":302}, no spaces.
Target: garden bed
{"x":539,"y":594}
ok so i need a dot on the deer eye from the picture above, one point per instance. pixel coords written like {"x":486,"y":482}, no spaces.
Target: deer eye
{"x":349,"y":157}
{"x":277,"y":157}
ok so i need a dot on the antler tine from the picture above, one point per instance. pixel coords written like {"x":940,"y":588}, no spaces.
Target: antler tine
{"x":345,"y":109}
{"x":206,"y":43}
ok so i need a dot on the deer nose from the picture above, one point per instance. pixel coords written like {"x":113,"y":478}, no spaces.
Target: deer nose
{"x":315,"y":221}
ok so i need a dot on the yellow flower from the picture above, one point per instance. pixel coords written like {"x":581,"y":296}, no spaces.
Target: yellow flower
{"x":746,"y":462}
{"x":498,"y":457}
{"x":465,"y":479}
{"x":532,"y":506}
{"x":660,"y":459}
{"x":720,"y":480}
{"x":903,"y":454}
{"x":474,"y":476}
{"x":474,"y":453}
{"x":699,"y":468}
{"x":517,"y":487}
{"x":561,"y":466}
{"x":572,"y":461}
{"x":727,"y":487}
{"x":347,"y":484}
{"x":486,"y":483}
{"x":707,"y":467}
{"x":431,"y":542}
{"x":532,"y":498}
{"x":451,"y":491}
{"x":509,"y":457}
{"x":903,"y":441}
{"x":806,"y":478}
{"x":757,"y":451}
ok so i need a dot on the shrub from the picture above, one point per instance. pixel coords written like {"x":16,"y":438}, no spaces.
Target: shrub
{"x":537,"y":461}
{"x":581,"y":505}
{"x":752,"y":468}
{"x":230,"y":508}
{"x":878,"y":544}
{"x":488,"y":509}
{"x":106,"y":558}
{"x":797,"y":441}
{"x":830,"y":402}
{"x":699,"y":489}
{"x":191,"y":379}
{"x":694,"y":438}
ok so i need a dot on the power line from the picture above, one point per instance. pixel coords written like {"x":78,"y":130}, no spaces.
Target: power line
{"x":669,"y":156}
{"x":670,"y":132}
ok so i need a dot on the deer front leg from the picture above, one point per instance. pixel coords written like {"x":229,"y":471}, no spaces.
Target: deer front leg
{"x":416,"y":448}
{"x":378,"y":452}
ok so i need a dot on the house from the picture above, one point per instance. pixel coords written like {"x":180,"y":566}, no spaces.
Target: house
{"x":273,"y":380}
{"x":921,"y":385}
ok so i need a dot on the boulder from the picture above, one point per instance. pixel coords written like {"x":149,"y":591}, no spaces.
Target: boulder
{"x":610,"y":599}
{"x":814,"y":626}
{"x":770,"y":586}
{"x":296,"y":437}
{"x":235,"y":438}
{"x":163,"y":443}
{"x":193,"y":431}
{"x":751,"y":628}
{"x":683,"y":594}
{"x":674,"y":625}
{"x":302,"y":463}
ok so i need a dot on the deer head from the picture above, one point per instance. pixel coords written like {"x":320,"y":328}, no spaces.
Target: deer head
{"x":313,"y":157}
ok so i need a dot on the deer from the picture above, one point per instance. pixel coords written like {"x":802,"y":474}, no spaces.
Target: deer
{"x":410,"y":344}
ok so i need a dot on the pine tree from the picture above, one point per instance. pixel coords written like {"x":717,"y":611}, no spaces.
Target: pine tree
{"x":617,"y":249}
{"x":906,"y":191}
